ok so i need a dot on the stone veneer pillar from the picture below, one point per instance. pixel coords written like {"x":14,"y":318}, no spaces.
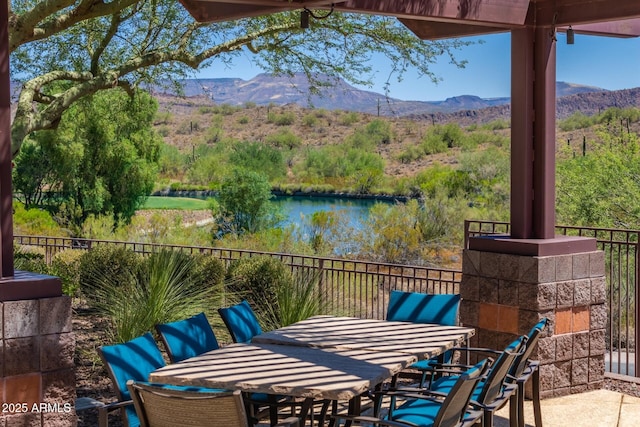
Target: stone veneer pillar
{"x":37,"y":360}
{"x":504,"y":295}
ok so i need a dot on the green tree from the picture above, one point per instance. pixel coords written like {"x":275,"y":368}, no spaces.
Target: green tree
{"x":245,"y":203}
{"x":64,"y":51}
{"x":601,"y":189}
{"x":101,"y":160}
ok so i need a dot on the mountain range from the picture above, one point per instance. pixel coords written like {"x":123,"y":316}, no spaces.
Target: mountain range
{"x":266,"y":89}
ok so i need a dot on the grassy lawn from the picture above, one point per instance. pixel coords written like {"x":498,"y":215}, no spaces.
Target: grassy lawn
{"x":158,"y":202}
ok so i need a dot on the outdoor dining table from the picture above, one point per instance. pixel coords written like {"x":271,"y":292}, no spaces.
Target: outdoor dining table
{"x":303,"y":365}
{"x":422,"y":340}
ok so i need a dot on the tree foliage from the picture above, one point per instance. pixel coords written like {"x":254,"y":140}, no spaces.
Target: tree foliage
{"x":73,"y":170}
{"x":601,"y":188}
{"x":63,"y":51}
{"x":245,"y":203}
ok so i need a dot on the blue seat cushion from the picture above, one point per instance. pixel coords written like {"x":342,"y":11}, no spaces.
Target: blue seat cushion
{"x":418,"y":412}
{"x":189,"y":337}
{"x":423,"y":308}
{"x":241,"y":322}
{"x":445,"y":384}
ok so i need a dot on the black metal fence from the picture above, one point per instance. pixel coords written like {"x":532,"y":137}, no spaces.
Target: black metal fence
{"x":349,"y":287}
{"x":361,"y":288}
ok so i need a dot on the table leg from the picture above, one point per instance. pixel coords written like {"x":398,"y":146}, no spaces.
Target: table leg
{"x":355,"y":407}
{"x":307,"y":405}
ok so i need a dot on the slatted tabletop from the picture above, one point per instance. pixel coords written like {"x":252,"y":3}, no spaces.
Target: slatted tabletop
{"x":418,"y":339}
{"x":321,"y":373}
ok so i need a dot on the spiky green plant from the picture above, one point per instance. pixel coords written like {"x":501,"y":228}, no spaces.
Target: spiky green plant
{"x":163,"y":291}
{"x":296,"y":300}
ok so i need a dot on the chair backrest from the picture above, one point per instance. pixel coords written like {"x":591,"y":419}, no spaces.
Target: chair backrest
{"x":159,"y":405}
{"x":495,"y":380}
{"x":132,"y":360}
{"x":241,"y":322}
{"x":454,"y":407}
{"x":532,"y":339}
{"x":423,"y":308}
{"x":188,"y":337}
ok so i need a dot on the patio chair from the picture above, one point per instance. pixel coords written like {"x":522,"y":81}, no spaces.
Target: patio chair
{"x":433,"y":409}
{"x":524,"y":369}
{"x":241,"y":322}
{"x":159,"y":405}
{"x":425,"y":308}
{"x":243,"y":325}
{"x":132,"y":360}
{"x":494,"y":390}
{"x":187,"y":338}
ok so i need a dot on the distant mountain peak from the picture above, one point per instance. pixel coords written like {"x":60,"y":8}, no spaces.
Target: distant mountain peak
{"x":266,"y":89}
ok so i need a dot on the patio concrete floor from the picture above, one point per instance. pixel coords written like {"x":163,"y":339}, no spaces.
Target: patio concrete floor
{"x":599,"y":408}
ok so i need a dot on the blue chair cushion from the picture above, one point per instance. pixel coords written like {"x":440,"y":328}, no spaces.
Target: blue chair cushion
{"x":418,"y":412}
{"x":189,"y":337}
{"x":132,"y":360}
{"x":423,"y":308}
{"x":241,"y":322}
{"x":444,"y":384}
{"x":421,"y":412}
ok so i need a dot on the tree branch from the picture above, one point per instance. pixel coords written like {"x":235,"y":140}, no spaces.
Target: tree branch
{"x":27,"y":27}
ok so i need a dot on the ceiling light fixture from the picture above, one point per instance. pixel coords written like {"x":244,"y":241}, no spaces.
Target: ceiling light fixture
{"x":570,"y":36}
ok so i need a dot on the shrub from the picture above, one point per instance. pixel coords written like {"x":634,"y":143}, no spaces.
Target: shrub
{"x":243,"y":120}
{"x":284,"y":138}
{"x":347,"y":119}
{"x":118,"y":264}
{"x":34,"y":222}
{"x":577,"y":120}
{"x":66,"y":266}
{"x":284,"y":119}
{"x":297,"y":299}
{"x":259,"y":157}
{"x":379,"y":131}
{"x":497,"y":124}
{"x":29,"y":258}
{"x":208,"y":271}
{"x":257,"y":279}
{"x":163,"y":291}
{"x":310,"y":120}
{"x":433,"y":144}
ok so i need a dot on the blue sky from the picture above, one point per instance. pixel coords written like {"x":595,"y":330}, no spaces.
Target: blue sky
{"x":609,"y":63}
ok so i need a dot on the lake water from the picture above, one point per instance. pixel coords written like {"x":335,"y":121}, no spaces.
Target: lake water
{"x":296,"y":209}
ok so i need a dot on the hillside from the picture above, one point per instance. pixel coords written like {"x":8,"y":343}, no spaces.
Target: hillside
{"x":188,"y":122}
{"x":265,"y":89}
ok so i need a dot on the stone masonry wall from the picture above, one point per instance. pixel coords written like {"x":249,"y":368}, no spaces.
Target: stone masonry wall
{"x":36,"y":363}
{"x":504,"y":295}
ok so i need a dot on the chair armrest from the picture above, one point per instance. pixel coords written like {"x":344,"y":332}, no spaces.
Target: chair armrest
{"x":369,"y":420}
{"x":476,"y":350}
{"x":103,"y":411}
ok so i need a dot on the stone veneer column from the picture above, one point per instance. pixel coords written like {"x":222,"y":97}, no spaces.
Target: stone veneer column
{"x":37,"y":363}
{"x":504,"y":295}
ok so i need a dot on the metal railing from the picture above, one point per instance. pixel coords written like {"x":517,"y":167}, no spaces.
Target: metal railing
{"x":622,"y":264}
{"x":348,"y":287}
{"x":361,"y":288}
